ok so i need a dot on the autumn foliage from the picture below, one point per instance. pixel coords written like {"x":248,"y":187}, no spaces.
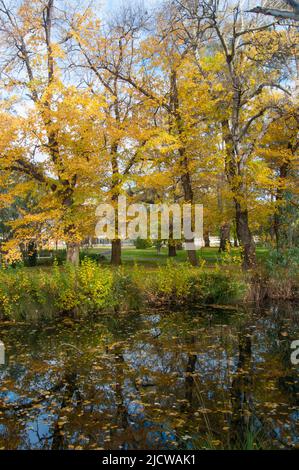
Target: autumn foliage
{"x":190,"y":103}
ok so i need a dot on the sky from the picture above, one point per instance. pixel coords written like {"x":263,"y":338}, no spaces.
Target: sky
{"x":110,"y":5}
{"x":113,"y":4}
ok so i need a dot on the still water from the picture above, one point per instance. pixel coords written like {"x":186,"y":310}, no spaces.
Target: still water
{"x":210,"y":379}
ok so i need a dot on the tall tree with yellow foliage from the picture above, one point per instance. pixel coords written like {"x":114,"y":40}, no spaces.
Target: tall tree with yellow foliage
{"x":57,"y":140}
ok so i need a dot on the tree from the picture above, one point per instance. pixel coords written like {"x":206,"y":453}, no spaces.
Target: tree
{"x":58,"y":141}
{"x":279,"y":148}
{"x":97,"y":49}
{"x":190,"y":105}
{"x":152,"y":71}
{"x":245,"y":100}
{"x":286,"y":10}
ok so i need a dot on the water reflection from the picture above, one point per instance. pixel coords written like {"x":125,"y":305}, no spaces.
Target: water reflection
{"x":161,"y":380}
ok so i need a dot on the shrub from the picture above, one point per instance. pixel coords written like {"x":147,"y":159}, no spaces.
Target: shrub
{"x":85,"y":289}
{"x":22,"y":292}
{"x":182,"y":284}
{"x":96,"y":257}
{"x":90,"y":289}
{"x":171,"y":283}
{"x":60,"y":257}
{"x":70,"y":290}
{"x":287,"y":259}
{"x":230,"y":257}
{"x":221,"y":287}
{"x":127,"y":292}
{"x":142,"y":244}
{"x":95,"y":285}
{"x":277,"y":277}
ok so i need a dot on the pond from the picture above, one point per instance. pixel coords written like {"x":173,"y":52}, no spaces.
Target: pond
{"x":207,"y":379}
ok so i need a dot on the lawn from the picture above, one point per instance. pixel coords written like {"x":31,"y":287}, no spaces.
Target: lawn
{"x":150,"y":256}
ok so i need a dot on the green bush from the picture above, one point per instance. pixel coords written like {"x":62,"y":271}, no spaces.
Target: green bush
{"x":220,"y":287}
{"x":60,"y":257}
{"x":90,"y":289}
{"x":127,"y":292}
{"x":142,"y":244}
{"x":69,"y":290}
{"x":48,"y":257}
{"x":277,"y":277}
{"x":97,"y":257}
{"x":181,"y":284}
{"x":287,"y":260}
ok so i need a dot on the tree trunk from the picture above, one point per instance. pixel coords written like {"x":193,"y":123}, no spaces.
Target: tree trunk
{"x":235,"y":235}
{"x":158,"y":246}
{"x":116,"y":252}
{"x":190,"y":390}
{"x":278,"y":227}
{"x":171,"y":242}
{"x":192,"y":257}
{"x":234,"y":177}
{"x":116,"y":243}
{"x":185,"y":177}
{"x":73,"y":253}
{"x":224,"y":237}
{"x":245,"y":236}
{"x":32,"y":254}
{"x":206,"y":237}
{"x":241,"y":394}
{"x":188,"y":196}
{"x":171,"y":249}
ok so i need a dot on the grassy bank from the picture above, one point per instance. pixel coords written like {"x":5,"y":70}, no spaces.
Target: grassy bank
{"x":149,"y":256}
{"x":30,"y":293}
{"x":96,"y":287}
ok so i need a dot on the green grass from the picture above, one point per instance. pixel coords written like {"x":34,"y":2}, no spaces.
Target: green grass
{"x":150,"y":256}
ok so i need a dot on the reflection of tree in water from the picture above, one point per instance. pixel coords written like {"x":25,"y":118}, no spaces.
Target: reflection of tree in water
{"x":71,"y":397}
{"x":141,"y":381}
{"x":241,"y":394}
{"x":189,"y":382}
{"x":254,"y":402}
{"x":284,"y":329}
{"x":134,"y":427}
{"x":285,"y":319}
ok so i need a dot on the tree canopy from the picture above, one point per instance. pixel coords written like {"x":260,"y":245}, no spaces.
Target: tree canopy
{"x":195,"y":101}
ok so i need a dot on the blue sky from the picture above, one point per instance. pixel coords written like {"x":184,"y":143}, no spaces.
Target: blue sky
{"x":110,"y":5}
{"x":113,"y":4}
